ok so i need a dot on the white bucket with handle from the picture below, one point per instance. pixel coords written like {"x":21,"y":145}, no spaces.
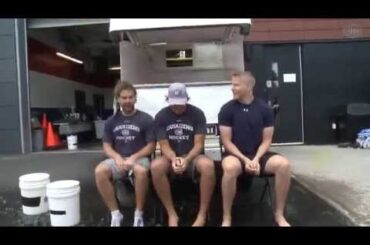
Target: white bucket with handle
{"x":33,"y":193}
{"x":64,"y":202}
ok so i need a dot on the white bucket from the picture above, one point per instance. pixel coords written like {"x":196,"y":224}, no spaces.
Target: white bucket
{"x":72,"y":142}
{"x":64,"y":202}
{"x":33,"y":193}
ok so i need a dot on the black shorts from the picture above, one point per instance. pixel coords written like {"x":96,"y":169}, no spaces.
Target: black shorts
{"x":263,"y":161}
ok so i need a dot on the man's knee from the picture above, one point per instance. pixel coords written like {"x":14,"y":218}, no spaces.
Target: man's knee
{"x":159,"y":165}
{"x":205,"y":166}
{"x":231,"y":166}
{"x":102,"y":171}
{"x":284,"y":165}
{"x":140,"y":171}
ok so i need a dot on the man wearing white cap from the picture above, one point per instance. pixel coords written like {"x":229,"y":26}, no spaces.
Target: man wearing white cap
{"x":180,"y":130}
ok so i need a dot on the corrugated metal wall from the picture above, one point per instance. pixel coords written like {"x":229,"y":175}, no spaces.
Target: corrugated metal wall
{"x":14,"y":111}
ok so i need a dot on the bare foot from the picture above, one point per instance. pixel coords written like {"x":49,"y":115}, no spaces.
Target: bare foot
{"x":226,"y":222}
{"x":200,"y":221}
{"x":281,"y":221}
{"x":173,"y":220}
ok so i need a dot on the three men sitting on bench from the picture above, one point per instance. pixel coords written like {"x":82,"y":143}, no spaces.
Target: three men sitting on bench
{"x":246,"y":127}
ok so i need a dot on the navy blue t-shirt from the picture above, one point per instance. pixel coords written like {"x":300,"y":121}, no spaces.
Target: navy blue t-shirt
{"x":179,"y":130}
{"x":247,"y":122}
{"x":129,"y":134}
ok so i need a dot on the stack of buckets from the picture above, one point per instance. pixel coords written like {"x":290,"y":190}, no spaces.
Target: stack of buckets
{"x":61,"y":198}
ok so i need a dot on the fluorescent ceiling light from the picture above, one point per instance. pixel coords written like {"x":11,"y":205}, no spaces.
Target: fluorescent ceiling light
{"x":157,"y":44}
{"x":115,"y":68}
{"x":69,"y":58}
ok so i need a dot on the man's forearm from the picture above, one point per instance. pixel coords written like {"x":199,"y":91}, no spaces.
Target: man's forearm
{"x":193,"y":153}
{"x":110,"y":152}
{"x":232,"y":149}
{"x":168,"y":152}
{"x":145,"y":151}
{"x":262,"y":149}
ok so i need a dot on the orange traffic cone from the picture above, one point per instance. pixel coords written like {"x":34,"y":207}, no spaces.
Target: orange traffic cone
{"x":44,"y":126}
{"x":58,"y":142}
{"x":44,"y":123}
{"x":50,"y":137}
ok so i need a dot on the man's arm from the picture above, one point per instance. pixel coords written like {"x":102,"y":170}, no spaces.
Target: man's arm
{"x":267,"y":134}
{"x":197,"y":148}
{"x":109,"y":151}
{"x":226,"y":136}
{"x":162,"y":138}
{"x":166,"y":149}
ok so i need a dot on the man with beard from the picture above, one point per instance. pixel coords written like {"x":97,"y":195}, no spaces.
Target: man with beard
{"x":128,"y":141}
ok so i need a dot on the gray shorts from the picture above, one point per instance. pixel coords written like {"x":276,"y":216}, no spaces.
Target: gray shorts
{"x":118,"y":174}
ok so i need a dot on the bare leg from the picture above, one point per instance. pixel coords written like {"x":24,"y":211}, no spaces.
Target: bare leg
{"x":232,"y":169}
{"x":141,"y":186}
{"x":105,"y":187}
{"x":205,"y":167}
{"x":280,"y":167}
{"x":159,"y":168}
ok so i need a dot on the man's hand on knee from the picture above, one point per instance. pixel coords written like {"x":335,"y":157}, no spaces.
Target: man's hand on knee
{"x":257,"y":166}
{"x":179,"y":165}
{"x":252,"y":167}
{"x":120,"y":162}
{"x":129,"y":163}
{"x":175,"y":163}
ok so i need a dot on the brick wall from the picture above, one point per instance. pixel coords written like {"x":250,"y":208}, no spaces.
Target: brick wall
{"x":302,"y":30}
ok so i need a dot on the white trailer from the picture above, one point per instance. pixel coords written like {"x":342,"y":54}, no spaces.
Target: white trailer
{"x":201,"y":53}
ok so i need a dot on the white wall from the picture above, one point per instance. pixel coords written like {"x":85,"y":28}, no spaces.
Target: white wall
{"x":47,"y":91}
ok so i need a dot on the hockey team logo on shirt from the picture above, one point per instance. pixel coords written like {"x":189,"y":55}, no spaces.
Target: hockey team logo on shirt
{"x":125,"y":132}
{"x":179,"y":131}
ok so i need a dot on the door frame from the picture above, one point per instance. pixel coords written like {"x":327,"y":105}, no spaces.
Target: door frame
{"x":301,"y":77}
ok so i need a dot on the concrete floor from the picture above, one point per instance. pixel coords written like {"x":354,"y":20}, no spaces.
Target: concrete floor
{"x":338,"y":175}
{"x":322,"y":169}
{"x":60,"y":166}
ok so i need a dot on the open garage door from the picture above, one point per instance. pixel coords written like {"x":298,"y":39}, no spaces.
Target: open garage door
{"x":47,"y":23}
